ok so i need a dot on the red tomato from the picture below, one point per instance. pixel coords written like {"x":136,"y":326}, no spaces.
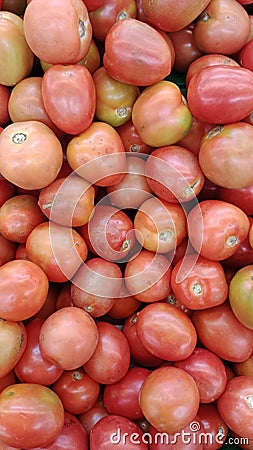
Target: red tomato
{"x":92,"y":5}
{"x":213,"y":425}
{"x":7,"y":250}
{"x":7,"y":190}
{"x":169,"y":399}
{"x":135,"y":53}
{"x":217,"y":228}
{"x":186,"y":49}
{"x":235,"y":406}
{"x":4,"y":113}
{"x":161,"y":324}
{"x":32,"y":367}
{"x":245,"y":56}
{"x":244,"y":367}
{"x":193,"y":139}
{"x":212,"y":59}
{"x":243,"y":198}
{"x":131,"y":139}
{"x":221,"y":332}
{"x":13,"y":339}
{"x":92,"y":416}
{"x":72,"y":349}
{"x":189,"y":438}
{"x":212,"y":99}
{"x":77,"y":391}
{"x":69,"y":96}
{"x":38,"y":427}
{"x":241,"y":295}
{"x":124,"y":306}
{"x":244,"y":254}
{"x":7,"y":380}
{"x":111,"y":358}
{"x":65,"y":23}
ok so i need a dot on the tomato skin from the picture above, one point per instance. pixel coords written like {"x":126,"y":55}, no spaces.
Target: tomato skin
{"x":186,"y":49}
{"x":175,"y":118}
{"x":220,"y":331}
{"x":7,"y":190}
{"x":160,"y":324}
{"x":241,"y":295}
{"x":245,"y":56}
{"x":4,"y":96}
{"x":244,"y":367}
{"x":8,"y":250}
{"x":182,"y":394}
{"x":139,"y":47}
{"x":212,"y":99}
{"x":243,"y":198}
{"x":212,"y":423}
{"x":235,"y":405}
{"x":92,"y":5}
{"x":243,"y":256}
{"x":69,"y":96}
{"x":13,"y":336}
{"x":212,"y":59}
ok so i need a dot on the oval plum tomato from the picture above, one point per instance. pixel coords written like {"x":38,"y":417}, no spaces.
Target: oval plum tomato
{"x":220,"y":331}
{"x":98,"y":155}
{"x":19,"y":216}
{"x":114,"y":99}
{"x":208,"y":371}
{"x":32,"y":367}
{"x":115,"y":430}
{"x":174,"y":174}
{"x":217,"y":228}
{"x":92,"y":281}
{"x":13,"y":339}
{"x":31,"y":155}
{"x":175,"y":118}
{"x":235,"y":405}
{"x":214,"y":425}
{"x":245,"y":55}
{"x":166,"y":331}
{"x":69,"y":97}
{"x":4,"y":113}
{"x":72,"y":349}
{"x":44,"y":248}
{"x":172,"y":16}
{"x":13,"y":49}
{"x":223,"y":27}
{"x":38,"y":427}
{"x":169,"y":399}
{"x":186,"y":49}
{"x":77,"y":391}
{"x":68,"y":201}
{"x":212,"y":99}
{"x":121,"y":398}
{"x":203,"y":287}
{"x":160,"y":226}
{"x":7,"y":250}
{"x":111,"y":359}
{"x":241,"y":295}
{"x":225,"y":148}
{"x":110,"y":12}
{"x":26,"y":104}
{"x":243,"y":198}
{"x":147,"y":276}
{"x":135,"y":53}
{"x":65,"y":23}
{"x":24,"y":288}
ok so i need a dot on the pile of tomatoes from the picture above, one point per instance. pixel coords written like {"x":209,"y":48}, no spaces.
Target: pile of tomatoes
{"x":126,"y":224}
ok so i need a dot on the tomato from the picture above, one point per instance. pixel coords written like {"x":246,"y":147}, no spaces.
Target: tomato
{"x":217,"y":228}
{"x":21,"y":160}
{"x":205,"y":286}
{"x":68,"y":201}
{"x":65,"y":23}
{"x":110,"y":12}
{"x":92,"y":5}
{"x":175,"y":118}
{"x":169,"y":399}
{"x":7,"y":380}
{"x":212,"y":99}
{"x":172,"y":16}
{"x":69,"y":96}
{"x":174,"y":174}
{"x":221,"y":332}
{"x":31,"y":415}
{"x":251,"y":236}
{"x":208,"y":371}
{"x":133,"y":189}
{"x":212,"y":59}
{"x":186,"y":49}
{"x":7,"y":190}
{"x":223,"y":27}
{"x":161,"y":324}
{"x":72,"y":349}
{"x":121,"y":398}
{"x":64,"y":297}
{"x":244,"y":254}
{"x":111,"y":358}
{"x":244,"y":367}
{"x":13,"y":339}
{"x":16,"y":56}
{"x":8,"y":250}
{"x":160,"y":226}
{"x":15,"y":6}
{"x":50,"y":303}
{"x":213,"y":425}
{"x":114,"y":100}
{"x":131,"y":139}
{"x":237,"y":398}
{"x":243,"y":198}
{"x":241,"y":295}
{"x":135,"y":53}
{"x":114,"y":430}
{"x":98,"y":155}
{"x":77,"y":391}
{"x":245,"y":55}
{"x":124,"y":306}
{"x":92,"y":281}
{"x":147,"y":276}
{"x":4,"y":96}
{"x":44,"y":248}
{"x":188,"y":438}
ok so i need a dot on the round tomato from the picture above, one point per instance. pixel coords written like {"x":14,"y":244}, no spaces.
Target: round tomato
{"x":241,"y":295}
{"x":185,"y":47}
{"x":13,"y":340}
{"x":212,"y":59}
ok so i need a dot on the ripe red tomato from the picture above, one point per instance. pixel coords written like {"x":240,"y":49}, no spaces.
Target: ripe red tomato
{"x":7,"y":250}
{"x":245,"y":55}
{"x":131,"y":139}
{"x":241,"y":295}
{"x":244,"y":367}
{"x":38,"y":427}
{"x":7,"y":190}
{"x":13,"y":340}
{"x":212,"y":59}
{"x":188,"y":438}
{"x":185,"y":47}
{"x":213,"y":423}
{"x":4,"y":96}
